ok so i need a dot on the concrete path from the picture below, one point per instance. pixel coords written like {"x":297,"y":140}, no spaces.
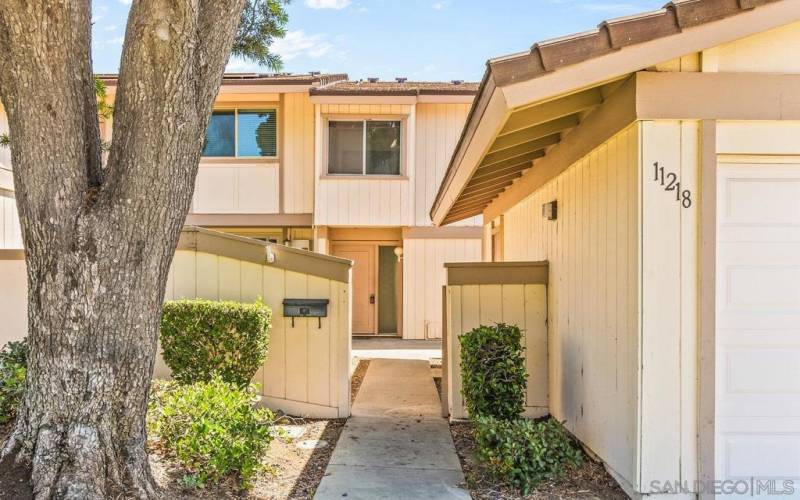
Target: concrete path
{"x":396,"y":445}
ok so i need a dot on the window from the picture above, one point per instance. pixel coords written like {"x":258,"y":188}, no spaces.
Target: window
{"x":242,"y":133}
{"x":364,"y":147}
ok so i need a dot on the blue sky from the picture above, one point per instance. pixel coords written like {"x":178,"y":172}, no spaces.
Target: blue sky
{"x":417,"y":39}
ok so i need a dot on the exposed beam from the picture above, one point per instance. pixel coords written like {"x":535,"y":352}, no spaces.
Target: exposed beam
{"x":535,"y":132}
{"x":472,"y":186}
{"x":549,"y":111}
{"x":519,"y":167}
{"x":486,"y":191}
{"x":520,"y":149}
{"x":528,"y":157}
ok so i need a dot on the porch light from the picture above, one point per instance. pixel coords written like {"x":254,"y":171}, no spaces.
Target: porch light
{"x":270,"y":255}
{"x":550,"y":210}
{"x":398,"y":252}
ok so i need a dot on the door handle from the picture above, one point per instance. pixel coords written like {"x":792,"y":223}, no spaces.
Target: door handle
{"x":372,"y":298}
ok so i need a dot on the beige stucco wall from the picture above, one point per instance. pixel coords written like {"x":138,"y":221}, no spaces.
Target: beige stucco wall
{"x":593,"y":300}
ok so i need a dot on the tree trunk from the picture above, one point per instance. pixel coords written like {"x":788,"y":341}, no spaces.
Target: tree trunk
{"x":99,"y":239}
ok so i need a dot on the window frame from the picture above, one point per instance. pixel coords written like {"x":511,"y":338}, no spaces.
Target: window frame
{"x":248,"y":107}
{"x":325,"y":171}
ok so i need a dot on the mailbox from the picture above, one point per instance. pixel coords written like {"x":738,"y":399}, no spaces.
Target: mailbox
{"x":305,"y":308}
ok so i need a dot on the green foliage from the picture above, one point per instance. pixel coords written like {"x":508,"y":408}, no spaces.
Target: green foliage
{"x":524,"y":452}
{"x":212,"y":428}
{"x":493,"y":371}
{"x":203,"y":338}
{"x":13,"y":367}
{"x":5,"y":140}
{"x":262,"y":22}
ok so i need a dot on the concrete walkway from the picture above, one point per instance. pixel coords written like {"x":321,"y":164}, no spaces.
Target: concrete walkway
{"x":396,"y":445}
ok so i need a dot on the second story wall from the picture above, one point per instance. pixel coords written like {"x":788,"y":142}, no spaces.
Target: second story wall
{"x":365,"y":200}
{"x":438,"y":130}
{"x":297,"y":155}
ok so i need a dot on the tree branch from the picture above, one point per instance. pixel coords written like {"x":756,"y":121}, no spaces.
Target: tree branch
{"x":47,"y":89}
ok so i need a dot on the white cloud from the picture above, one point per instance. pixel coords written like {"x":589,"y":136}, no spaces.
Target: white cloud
{"x":298,"y":43}
{"x":438,"y":6}
{"x":327,"y":4}
{"x":126,"y":2}
{"x":110,"y":27}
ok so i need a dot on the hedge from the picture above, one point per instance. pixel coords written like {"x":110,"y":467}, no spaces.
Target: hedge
{"x":493,"y":371}
{"x":204,"y":338}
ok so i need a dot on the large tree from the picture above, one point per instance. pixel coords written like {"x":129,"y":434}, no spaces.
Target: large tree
{"x":99,"y":237}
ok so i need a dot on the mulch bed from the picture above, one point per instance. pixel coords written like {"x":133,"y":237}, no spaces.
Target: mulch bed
{"x":291,"y":472}
{"x":358,"y":377}
{"x":588,"y":481}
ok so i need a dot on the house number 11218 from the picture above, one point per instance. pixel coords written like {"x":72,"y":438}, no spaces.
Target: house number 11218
{"x":670,"y":182}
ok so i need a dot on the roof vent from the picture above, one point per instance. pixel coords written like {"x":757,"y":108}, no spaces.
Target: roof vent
{"x":456,"y":82}
{"x":373,"y":79}
{"x":314,"y":73}
{"x":401,"y":79}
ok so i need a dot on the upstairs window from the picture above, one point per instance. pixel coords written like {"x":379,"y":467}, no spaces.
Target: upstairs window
{"x":242,"y":133}
{"x":364,"y":147}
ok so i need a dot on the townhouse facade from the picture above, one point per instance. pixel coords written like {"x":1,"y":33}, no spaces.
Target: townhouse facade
{"x":338,"y":167}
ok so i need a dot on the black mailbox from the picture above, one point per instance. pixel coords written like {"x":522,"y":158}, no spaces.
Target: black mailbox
{"x":305,"y":308}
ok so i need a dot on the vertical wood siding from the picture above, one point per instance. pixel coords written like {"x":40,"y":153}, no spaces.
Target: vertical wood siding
{"x":297,"y":156}
{"x":236,"y":189}
{"x":306,"y":363}
{"x":669,"y":304}
{"x":593,"y":252}
{"x":10,"y":234}
{"x":365,"y":202}
{"x":438,"y":130}
{"x":470,"y":306}
{"x":13,"y":300}
{"x":423,"y":278}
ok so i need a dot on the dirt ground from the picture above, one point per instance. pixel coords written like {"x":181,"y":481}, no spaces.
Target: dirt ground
{"x":292,"y":472}
{"x":588,"y":481}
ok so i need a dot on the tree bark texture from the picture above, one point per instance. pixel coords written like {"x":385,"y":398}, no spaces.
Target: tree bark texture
{"x":99,"y":239}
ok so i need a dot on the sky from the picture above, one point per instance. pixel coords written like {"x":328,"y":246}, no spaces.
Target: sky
{"x":432,"y":40}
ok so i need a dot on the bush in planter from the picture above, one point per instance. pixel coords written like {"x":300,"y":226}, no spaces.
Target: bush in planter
{"x":203,"y":338}
{"x":212,"y":427}
{"x":524,"y":452}
{"x":493,"y":371}
{"x":13,"y":368}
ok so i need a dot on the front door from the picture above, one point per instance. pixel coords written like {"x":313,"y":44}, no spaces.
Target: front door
{"x":364,"y":265}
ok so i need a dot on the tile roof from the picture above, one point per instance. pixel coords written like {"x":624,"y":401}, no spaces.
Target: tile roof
{"x":262,"y":78}
{"x":393,"y":88}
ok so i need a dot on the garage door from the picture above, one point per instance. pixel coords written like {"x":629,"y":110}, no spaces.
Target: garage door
{"x":758,"y":322}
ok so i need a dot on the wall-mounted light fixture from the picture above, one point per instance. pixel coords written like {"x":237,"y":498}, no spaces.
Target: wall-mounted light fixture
{"x":398,"y":252}
{"x":270,"y":254}
{"x":550,"y":210}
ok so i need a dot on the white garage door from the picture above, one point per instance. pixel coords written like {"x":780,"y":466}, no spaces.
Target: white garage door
{"x":758,"y":323}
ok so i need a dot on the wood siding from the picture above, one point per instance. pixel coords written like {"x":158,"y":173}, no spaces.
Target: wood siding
{"x":669,"y":303}
{"x":10,"y":234}
{"x":438,"y":130}
{"x":363,"y":202}
{"x":469,"y":306}
{"x":308,"y":364}
{"x":773,"y":51}
{"x":423,"y":278}
{"x":241,"y":188}
{"x":593,"y":251}
{"x":297,"y":156}
{"x":13,"y":299}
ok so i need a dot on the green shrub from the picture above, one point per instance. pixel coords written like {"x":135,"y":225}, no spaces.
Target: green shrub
{"x":203,"y":338}
{"x":524,"y":452}
{"x":211,"y":427}
{"x":493,"y":371}
{"x":13,"y":367}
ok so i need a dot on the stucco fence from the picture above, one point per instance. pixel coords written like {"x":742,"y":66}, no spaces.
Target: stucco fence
{"x":485,"y":293}
{"x":307,"y":372}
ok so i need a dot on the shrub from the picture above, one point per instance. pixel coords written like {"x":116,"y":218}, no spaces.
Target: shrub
{"x":524,"y":452}
{"x":13,"y":367}
{"x":493,"y":371}
{"x":211,"y":427}
{"x":203,"y":338}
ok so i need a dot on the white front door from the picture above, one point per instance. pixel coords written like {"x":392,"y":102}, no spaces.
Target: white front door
{"x":758,"y":324}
